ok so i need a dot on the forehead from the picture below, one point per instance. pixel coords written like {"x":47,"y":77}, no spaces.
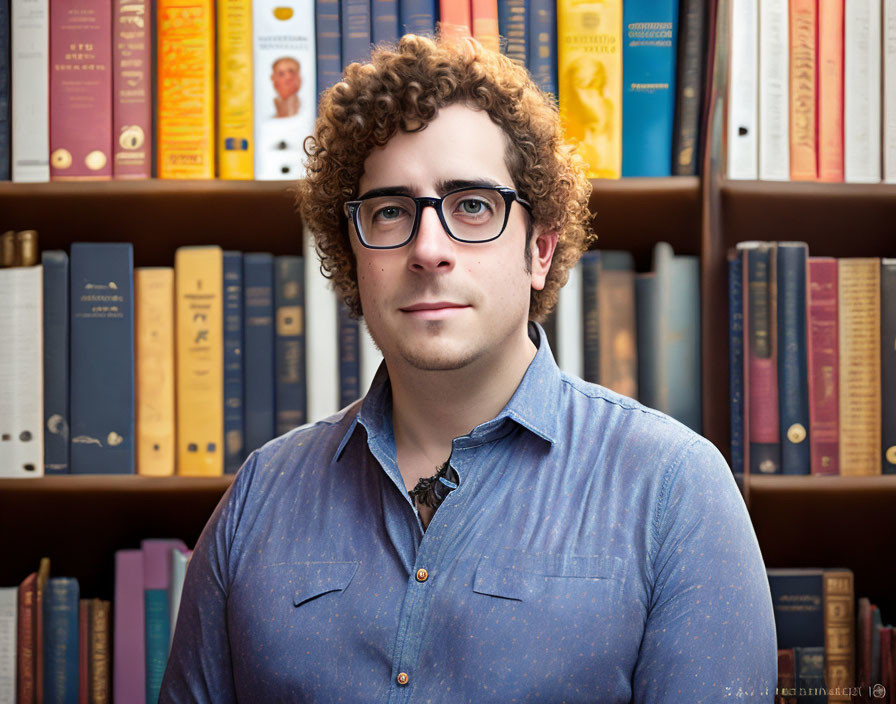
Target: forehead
{"x":461,"y":143}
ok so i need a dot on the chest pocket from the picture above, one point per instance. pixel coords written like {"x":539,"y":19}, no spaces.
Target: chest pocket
{"x":520,"y":576}
{"x":309,"y":580}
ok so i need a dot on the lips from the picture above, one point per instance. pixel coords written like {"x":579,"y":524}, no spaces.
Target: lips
{"x":437,"y":305}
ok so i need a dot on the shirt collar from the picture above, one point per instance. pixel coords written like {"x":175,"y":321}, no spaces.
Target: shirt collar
{"x":534,"y":405}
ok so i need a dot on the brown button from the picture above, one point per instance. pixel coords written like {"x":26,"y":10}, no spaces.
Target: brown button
{"x":402,"y":678}
{"x":422,"y":575}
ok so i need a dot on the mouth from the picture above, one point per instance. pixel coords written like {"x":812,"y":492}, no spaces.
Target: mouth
{"x":434,"y":310}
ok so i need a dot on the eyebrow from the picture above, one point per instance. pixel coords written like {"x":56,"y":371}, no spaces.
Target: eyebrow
{"x":442,"y":187}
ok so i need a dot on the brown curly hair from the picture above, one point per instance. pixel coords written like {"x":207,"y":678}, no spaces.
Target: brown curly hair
{"x":403,"y":87}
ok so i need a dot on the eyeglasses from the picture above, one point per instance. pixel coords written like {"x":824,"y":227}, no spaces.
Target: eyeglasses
{"x":473,"y":215}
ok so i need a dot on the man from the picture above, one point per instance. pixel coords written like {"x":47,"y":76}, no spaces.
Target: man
{"x":287,"y":81}
{"x":574,"y":546}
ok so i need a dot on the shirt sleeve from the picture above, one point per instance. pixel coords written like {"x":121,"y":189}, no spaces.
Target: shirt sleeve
{"x":199,"y":665}
{"x":710,"y":631}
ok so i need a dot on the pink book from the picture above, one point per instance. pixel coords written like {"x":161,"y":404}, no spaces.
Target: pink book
{"x":80,"y":90}
{"x":131,"y":86}
{"x":823,"y":361}
{"x":129,"y":657}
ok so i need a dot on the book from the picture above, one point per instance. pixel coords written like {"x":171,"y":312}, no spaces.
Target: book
{"x":590,"y":263}
{"x":328,"y":41}
{"x":417,"y":16}
{"x":283,"y":55}
{"x":355,"y":18}
{"x":862,"y":95}
{"x":43,"y":576}
{"x":786,"y":689}
{"x":863,"y":643}
{"x":5,"y":71}
{"x":26,"y":637}
{"x":349,"y":357}
{"x":649,"y":52}
{"x":258,"y":331}
{"x":60,"y":646}
{"x":889,"y":92}
{"x":179,"y":559}
{"x":83,"y":649}
{"x":824,"y":374}
{"x":320,"y":326}
{"x":55,"y":361}
{"x":98,"y":656}
{"x":289,"y":340}
{"x":570,"y":324}
{"x":8,"y":642}
{"x":541,"y":38}
{"x":617,"y":321}
{"x":234,"y":435}
{"x":809,"y":664}
{"x":154,"y":370}
{"x":775,"y":64}
{"x":235,"y":138}
{"x":21,"y":374}
{"x":132,"y":137}
{"x":185,"y":115}
{"x":102,"y":358}
{"x":590,"y":82}
{"x":803,"y":99}
{"x":129,"y":629}
{"x":30,"y":94}
{"x":743,"y":82}
{"x":199,"y":359}
{"x":830,"y":90}
{"x":689,"y":87}
{"x":888,"y":366}
{"x":859,"y":340}
{"x":383,"y":22}
{"x":484,"y":23}
{"x":455,"y":19}
{"x":736,"y":363}
{"x":513,"y":29}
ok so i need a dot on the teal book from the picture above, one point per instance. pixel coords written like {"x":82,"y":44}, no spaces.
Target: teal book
{"x":156,"y":583}
{"x":56,"y":370}
{"x":60,"y":641}
{"x":289,"y":342}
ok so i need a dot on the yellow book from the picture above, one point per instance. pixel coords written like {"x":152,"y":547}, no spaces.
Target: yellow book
{"x":589,"y":56}
{"x":236,"y":152}
{"x":154,"y":356}
{"x":185,"y":127}
{"x":198,"y":273}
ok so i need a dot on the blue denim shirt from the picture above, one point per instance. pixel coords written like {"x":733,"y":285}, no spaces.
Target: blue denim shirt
{"x":594,"y":551}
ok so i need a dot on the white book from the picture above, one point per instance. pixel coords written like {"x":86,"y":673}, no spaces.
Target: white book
{"x":861,"y":91}
{"x":371,"y":357}
{"x":285,"y":67}
{"x":743,"y":76}
{"x":774,"y":84}
{"x":30,"y":96}
{"x":8,"y":642}
{"x":322,"y":350}
{"x":889,"y":118}
{"x":570,"y":323}
{"x":21,"y":372}
{"x":179,"y":561}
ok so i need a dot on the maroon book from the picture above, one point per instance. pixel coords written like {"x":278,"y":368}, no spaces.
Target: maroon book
{"x":80,"y":90}
{"x":27,"y":597}
{"x":131,"y":89}
{"x":824,"y":360}
{"x":786,"y":692}
{"x":886,"y":673}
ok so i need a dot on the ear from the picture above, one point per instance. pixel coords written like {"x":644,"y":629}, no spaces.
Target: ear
{"x":542,"y":247}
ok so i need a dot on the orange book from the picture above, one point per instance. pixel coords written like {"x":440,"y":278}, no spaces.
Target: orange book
{"x":803,"y":74}
{"x":485,"y":23}
{"x":830,"y":90}
{"x":455,"y":18}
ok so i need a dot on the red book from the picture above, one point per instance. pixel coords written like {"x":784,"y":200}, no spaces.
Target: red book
{"x":80,"y":90}
{"x":886,"y":649}
{"x":26,"y":639}
{"x":132,"y":95}
{"x":786,"y":692}
{"x":823,"y":359}
{"x":455,"y":18}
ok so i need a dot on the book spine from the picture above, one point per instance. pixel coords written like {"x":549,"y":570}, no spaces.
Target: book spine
{"x":329,"y":43}
{"x":418,"y":16}
{"x":30,"y":43}
{"x":43,"y":576}
{"x":236,"y":153}
{"x":154,"y":366}
{"x":793,"y":374}
{"x":541,"y":39}
{"x":102,"y":358}
{"x":323,"y":355}
{"x":830,"y":90}
{"x":283,"y":56}
{"x":513,"y":29}
{"x":618,"y":354}
{"x":185,"y":127}
{"x":786,"y":692}
{"x":569,"y":324}
{"x":689,"y":88}
{"x":179,"y":560}
{"x":774,"y":95}
{"x":650,"y":35}
{"x":5,"y":76}
{"x":158,"y":639}
{"x":736,"y":361}
{"x":355,"y":17}
{"x":132,"y":138}
{"x":859,"y":337}
{"x":25,"y":637}
{"x":809,"y":665}
{"x":289,"y":305}
{"x":384,"y":21}
{"x":8,"y":634}
{"x":591,"y":316}
{"x":743,"y":81}
{"x":56,"y":370}
{"x":839,"y":634}
{"x":888,"y":364}
{"x":198,"y":273}
{"x":454,"y":16}
{"x":484,"y":16}
{"x":862,"y":99}
{"x":593,"y":125}
{"x":98,"y":689}
{"x":765,"y":448}
{"x":349,"y":358}
{"x":234,"y":450}
{"x":889,"y":94}
{"x":61,"y":641}
{"x":798,"y":602}
{"x":823,"y":366}
{"x":258,"y":278}
{"x":129,"y":646}
{"x":648,"y":338}
{"x":803,"y":77}
{"x":83,"y":649}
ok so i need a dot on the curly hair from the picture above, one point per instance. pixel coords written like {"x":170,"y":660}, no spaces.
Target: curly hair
{"x":402,"y":88}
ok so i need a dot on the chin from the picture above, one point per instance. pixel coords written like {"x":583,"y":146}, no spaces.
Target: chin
{"x":437,"y":360}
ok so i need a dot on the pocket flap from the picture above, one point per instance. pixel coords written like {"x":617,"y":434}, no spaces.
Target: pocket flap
{"x":313,"y":579}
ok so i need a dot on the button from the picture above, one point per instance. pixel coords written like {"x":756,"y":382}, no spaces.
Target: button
{"x":402,"y":678}
{"x":422,"y":575}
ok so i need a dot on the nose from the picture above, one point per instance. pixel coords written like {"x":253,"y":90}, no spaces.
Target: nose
{"x":432,"y":249}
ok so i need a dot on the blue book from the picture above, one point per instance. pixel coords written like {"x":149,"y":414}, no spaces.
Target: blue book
{"x":736,"y":362}
{"x":60,"y":646}
{"x":542,"y":44}
{"x":384,"y":24}
{"x":56,"y":341}
{"x":513,"y":29}
{"x":591,"y":316}
{"x":349,"y":358}
{"x":329,"y":44}
{"x":5,"y":88}
{"x":649,"y":47}
{"x":258,"y":339}
{"x":289,"y":342}
{"x":234,"y":446}
{"x":354,"y":16}
{"x":793,"y":365}
{"x":418,"y":16}
{"x":102,"y":358}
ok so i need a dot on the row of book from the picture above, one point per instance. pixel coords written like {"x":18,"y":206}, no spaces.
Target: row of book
{"x":58,"y":647}
{"x":813,"y":362}
{"x":812,"y":90}
{"x":238,"y":81}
